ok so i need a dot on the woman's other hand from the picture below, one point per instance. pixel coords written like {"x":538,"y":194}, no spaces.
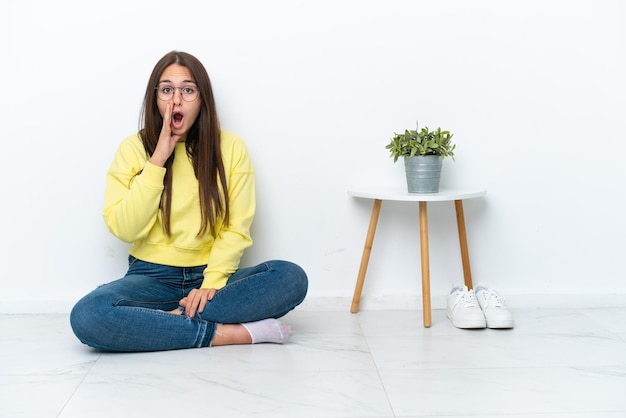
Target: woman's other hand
{"x":196,"y":300}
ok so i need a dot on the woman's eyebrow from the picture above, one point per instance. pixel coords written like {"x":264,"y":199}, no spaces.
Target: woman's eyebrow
{"x":171,"y":82}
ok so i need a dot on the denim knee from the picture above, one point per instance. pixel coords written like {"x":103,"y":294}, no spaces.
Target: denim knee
{"x":79,"y":321}
{"x":295,"y":281}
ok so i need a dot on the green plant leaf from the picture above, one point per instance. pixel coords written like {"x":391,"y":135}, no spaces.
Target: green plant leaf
{"x":421,"y":142}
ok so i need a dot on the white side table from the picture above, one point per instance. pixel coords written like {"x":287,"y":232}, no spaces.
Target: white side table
{"x":378,"y":194}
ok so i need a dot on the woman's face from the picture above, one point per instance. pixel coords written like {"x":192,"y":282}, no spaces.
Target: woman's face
{"x":177,"y":93}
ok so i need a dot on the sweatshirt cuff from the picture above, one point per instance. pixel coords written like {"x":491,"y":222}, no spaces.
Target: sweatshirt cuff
{"x":214,"y":280}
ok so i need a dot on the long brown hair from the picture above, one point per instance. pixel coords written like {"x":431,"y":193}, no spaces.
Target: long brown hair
{"x":202,"y":144}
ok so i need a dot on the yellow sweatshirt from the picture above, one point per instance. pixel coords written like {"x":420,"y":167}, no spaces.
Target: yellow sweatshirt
{"x":131,"y":209}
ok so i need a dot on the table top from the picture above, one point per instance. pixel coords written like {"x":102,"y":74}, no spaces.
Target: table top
{"x":401,"y":194}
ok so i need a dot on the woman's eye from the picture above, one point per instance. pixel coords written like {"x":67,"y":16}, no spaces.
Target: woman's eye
{"x":188,"y":90}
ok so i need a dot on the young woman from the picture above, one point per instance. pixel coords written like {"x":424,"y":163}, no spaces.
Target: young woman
{"x":182,"y":192}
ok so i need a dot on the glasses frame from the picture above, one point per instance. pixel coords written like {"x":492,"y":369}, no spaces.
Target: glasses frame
{"x":180,"y":89}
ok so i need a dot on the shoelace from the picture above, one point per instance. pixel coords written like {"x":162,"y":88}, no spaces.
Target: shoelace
{"x":492,"y":298}
{"x":469,"y":298}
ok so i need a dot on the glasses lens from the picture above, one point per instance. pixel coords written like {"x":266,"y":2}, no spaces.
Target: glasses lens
{"x":165,"y":93}
{"x":189,"y":93}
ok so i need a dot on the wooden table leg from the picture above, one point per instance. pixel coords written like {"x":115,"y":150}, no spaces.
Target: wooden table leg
{"x":425,"y":264}
{"x":460,"y":221}
{"x":365,"y":258}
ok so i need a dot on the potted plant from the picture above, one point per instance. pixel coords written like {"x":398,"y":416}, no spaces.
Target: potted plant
{"x":423,"y":151}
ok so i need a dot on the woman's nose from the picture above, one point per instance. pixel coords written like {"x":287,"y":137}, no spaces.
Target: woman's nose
{"x":178,"y":96}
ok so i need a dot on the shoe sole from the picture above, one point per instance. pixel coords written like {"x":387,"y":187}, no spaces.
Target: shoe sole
{"x":500,"y":324}
{"x":468,"y":324}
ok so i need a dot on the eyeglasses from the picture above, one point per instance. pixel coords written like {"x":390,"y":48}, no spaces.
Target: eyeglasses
{"x":188,"y":93}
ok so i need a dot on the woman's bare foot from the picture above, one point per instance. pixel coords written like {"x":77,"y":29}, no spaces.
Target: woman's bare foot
{"x":177,"y":311}
{"x":229,"y":334}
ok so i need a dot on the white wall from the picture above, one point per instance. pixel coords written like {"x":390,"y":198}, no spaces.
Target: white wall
{"x":533,"y":91}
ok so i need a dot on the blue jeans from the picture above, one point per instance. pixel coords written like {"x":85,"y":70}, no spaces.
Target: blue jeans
{"x":129,"y":314}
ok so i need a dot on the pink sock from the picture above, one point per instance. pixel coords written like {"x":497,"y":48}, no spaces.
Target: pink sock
{"x":268,"y":331}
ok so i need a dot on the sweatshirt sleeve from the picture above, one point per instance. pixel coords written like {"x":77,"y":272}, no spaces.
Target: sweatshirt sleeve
{"x":133,"y":192}
{"x":234,"y":238}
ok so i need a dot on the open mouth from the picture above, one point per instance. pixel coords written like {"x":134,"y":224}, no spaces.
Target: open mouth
{"x":177,"y":120}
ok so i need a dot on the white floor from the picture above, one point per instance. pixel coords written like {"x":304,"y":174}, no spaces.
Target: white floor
{"x":555,"y":363}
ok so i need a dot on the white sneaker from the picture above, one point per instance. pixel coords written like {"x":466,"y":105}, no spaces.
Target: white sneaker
{"x":463,"y":310}
{"x":492,"y":304}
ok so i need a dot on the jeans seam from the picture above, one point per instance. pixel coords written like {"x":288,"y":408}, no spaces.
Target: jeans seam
{"x":117,"y":302}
